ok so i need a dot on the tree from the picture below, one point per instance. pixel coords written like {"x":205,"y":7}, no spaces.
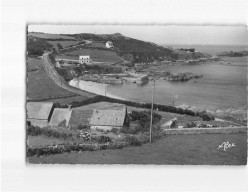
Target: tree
{"x":59,"y":46}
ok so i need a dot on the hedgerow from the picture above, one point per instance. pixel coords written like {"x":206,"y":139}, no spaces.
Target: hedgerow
{"x":35,"y":130}
{"x":159,"y":107}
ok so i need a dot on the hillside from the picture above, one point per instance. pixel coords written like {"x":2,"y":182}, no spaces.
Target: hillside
{"x":37,"y":46}
{"x":133,"y":50}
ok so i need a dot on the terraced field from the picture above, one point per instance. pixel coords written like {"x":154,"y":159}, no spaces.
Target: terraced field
{"x":95,"y":54}
{"x":50,"y":36}
{"x":39,"y":141}
{"x":40,"y":86}
{"x":63,"y":43}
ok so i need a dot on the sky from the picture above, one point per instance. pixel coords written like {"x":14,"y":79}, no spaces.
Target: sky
{"x":159,"y":34}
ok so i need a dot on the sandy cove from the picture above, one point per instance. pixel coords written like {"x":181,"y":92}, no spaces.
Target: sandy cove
{"x":93,"y":87}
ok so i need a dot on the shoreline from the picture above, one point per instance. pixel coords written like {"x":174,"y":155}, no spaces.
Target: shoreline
{"x":238,"y":114}
{"x":93,"y":87}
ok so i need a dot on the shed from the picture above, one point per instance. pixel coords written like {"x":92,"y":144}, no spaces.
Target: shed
{"x":59,"y":115}
{"x":108,"y":119}
{"x":39,"y":113}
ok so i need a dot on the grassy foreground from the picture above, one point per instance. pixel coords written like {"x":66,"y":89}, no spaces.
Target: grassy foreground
{"x":175,"y":149}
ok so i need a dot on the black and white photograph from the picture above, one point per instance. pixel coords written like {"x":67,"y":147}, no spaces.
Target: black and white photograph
{"x":119,"y":94}
{"x":124,"y":96}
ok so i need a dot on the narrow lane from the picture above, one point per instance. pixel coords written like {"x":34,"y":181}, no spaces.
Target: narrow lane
{"x":52,"y":73}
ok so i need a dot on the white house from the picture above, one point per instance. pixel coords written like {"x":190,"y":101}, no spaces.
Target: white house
{"x":109,"y":44}
{"x":85,"y":60}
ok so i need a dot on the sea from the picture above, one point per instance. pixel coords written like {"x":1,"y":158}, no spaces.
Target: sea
{"x":223,"y":85}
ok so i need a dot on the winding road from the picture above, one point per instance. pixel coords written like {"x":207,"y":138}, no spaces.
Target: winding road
{"x":52,"y":73}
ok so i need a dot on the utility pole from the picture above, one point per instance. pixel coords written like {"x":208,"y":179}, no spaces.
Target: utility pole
{"x":152,"y":110}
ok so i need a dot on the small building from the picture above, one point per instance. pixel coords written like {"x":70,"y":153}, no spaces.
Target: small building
{"x":85,"y":60}
{"x":109,"y":44}
{"x":109,"y":119}
{"x":58,"y":64}
{"x":169,"y":124}
{"x":59,"y":115}
{"x":39,"y":113}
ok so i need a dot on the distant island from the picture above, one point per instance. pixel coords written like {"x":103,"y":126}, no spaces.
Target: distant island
{"x":233,"y":54}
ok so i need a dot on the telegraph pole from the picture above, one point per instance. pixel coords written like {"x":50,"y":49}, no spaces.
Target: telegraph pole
{"x":152,"y":110}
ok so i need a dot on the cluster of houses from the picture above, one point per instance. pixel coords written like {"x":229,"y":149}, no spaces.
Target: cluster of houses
{"x":45,"y":114}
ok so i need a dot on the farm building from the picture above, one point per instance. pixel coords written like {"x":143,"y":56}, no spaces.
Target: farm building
{"x":169,"y":124}
{"x":109,"y":119}
{"x":59,"y":115}
{"x":109,"y":44}
{"x":39,"y":113}
{"x":85,"y":60}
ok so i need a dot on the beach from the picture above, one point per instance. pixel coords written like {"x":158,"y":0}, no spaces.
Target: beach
{"x":93,"y":87}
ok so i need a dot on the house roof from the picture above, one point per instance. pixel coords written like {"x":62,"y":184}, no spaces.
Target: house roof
{"x":79,"y":116}
{"x":84,"y":57}
{"x":108,"y":117}
{"x":39,"y":110}
{"x":60,"y":114}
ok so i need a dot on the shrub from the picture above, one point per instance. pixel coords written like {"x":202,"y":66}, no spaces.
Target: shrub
{"x":132,"y":141}
{"x":115,"y":130}
{"x":85,"y":127}
{"x":206,"y":117}
{"x":35,"y":130}
{"x":143,"y":117}
{"x":59,"y":46}
{"x":133,"y":129}
{"x":104,"y":139}
{"x":62,"y":123}
{"x":191,"y":125}
{"x":79,"y":126}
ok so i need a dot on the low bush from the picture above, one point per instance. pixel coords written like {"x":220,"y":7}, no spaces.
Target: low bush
{"x":115,"y":130}
{"x":62,"y":123}
{"x":206,"y":117}
{"x":101,"y":139}
{"x":79,"y":126}
{"x":144,"y":118}
{"x":85,"y":127}
{"x":35,"y":130}
{"x":132,"y":141}
{"x":133,"y":129}
{"x":191,"y":125}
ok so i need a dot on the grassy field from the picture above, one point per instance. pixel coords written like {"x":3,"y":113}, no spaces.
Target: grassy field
{"x":39,"y":84}
{"x":41,"y":141}
{"x":97,"y":44}
{"x":96,"y":55}
{"x":63,"y":43}
{"x":50,"y":36}
{"x":175,"y":149}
